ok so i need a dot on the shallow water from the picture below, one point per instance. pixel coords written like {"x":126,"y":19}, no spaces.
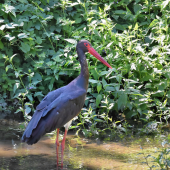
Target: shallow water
{"x":80,"y":153}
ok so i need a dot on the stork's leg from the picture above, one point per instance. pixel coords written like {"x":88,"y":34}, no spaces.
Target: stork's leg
{"x":63,"y":146}
{"x":57,"y":145}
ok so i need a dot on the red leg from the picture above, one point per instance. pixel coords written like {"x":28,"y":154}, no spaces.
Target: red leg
{"x":62,"y":147}
{"x":57,"y":145}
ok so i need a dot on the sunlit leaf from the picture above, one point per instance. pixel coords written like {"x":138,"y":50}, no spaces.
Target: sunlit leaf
{"x":72,"y":41}
{"x":27,"y":110}
{"x":16,"y":86}
{"x":93,"y":81}
{"x":164,"y":4}
{"x":22,"y":35}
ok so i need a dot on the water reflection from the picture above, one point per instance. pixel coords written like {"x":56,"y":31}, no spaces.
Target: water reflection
{"x":79,"y":153}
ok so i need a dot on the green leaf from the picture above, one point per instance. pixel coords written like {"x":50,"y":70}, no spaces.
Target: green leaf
{"x":51,"y":84}
{"x":103,"y":73}
{"x":153,"y":23}
{"x":9,"y":37}
{"x":72,"y":41}
{"x":120,"y":12}
{"x":98,"y":120}
{"x":22,"y":35}
{"x":108,"y":88}
{"x":164,"y":4}
{"x":104,"y":83}
{"x":30,"y":97}
{"x":25,"y":47}
{"x":98,"y":99}
{"x":78,"y":20}
{"x":16,"y":86}
{"x":36,"y":79}
{"x":122,"y":101}
{"x":9,"y":26}
{"x":99,"y":87}
{"x":93,"y":81}
{"x":7,"y":67}
{"x":12,"y":57}
{"x":137,"y":8}
{"x":1,"y":45}
{"x":38,"y":94}
{"x":38,"y":40}
{"x":27,"y":110}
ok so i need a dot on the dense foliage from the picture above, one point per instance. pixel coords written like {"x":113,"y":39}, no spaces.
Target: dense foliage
{"x":37,"y":43}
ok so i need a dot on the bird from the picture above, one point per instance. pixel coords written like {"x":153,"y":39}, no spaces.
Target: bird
{"x":59,"y":107}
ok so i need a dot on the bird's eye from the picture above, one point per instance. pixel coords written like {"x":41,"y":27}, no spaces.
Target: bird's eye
{"x":87,"y":45}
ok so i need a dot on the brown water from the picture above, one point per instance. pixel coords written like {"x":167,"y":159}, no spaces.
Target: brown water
{"x":80,"y":153}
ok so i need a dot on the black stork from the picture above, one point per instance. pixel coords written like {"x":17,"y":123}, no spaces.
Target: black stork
{"x":60,"y":106}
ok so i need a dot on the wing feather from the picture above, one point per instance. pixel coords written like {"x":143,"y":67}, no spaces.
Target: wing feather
{"x":55,"y":110}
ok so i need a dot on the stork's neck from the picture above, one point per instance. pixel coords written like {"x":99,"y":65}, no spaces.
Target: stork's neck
{"x":84,"y":67}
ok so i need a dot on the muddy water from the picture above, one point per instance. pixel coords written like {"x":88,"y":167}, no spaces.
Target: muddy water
{"x":80,"y":153}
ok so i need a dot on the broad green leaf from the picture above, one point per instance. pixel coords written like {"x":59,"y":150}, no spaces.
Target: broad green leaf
{"x":108,"y":88}
{"x":30,"y":97}
{"x":153,"y":23}
{"x":78,"y":20}
{"x":38,"y":94}
{"x":36,"y":79}
{"x":137,"y":8}
{"x":98,"y":99}
{"x":93,"y":81}
{"x":33,"y":17}
{"x":104,"y":83}
{"x":122,"y":101}
{"x":38,"y":40}
{"x":51,"y":84}
{"x":27,"y":110}
{"x":99,"y":87}
{"x":25,"y":47}
{"x":103,"y":73}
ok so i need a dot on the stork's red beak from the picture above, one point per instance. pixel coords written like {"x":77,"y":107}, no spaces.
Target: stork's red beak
{"x":93,"y":52}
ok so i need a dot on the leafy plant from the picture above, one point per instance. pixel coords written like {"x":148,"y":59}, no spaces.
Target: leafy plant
{"x":37,"y":42}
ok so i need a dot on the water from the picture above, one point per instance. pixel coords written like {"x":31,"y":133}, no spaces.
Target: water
{"x":80,"y":153}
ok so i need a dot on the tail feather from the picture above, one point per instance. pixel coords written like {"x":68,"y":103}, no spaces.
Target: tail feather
{"x":44,"y":125}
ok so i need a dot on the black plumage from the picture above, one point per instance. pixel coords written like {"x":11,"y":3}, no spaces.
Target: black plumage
{"x":60,"y":106}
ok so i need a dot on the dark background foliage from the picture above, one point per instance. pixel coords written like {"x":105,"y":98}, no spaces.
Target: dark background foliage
{"x":38,"y":40}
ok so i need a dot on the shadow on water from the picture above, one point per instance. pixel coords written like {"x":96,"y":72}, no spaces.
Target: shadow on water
{"x":79,"y":153}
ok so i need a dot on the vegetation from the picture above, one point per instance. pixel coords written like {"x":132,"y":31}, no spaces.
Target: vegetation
{"x":37,"y":42}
